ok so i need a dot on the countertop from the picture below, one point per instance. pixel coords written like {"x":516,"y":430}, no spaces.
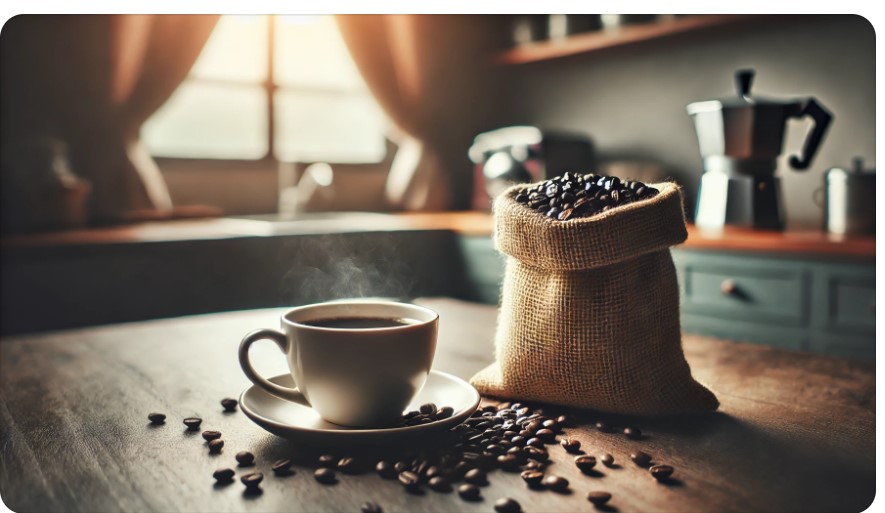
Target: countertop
{"x":470,"y":223}
{"x":795,"y":431}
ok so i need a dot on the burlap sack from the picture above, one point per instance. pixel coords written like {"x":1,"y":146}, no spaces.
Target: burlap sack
{"x":589,"y":314}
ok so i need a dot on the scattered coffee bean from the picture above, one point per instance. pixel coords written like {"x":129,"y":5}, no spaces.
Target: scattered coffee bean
{"x":633,"y":433}
{"x":555,"y":483}
{"x":192,"y":423}
{"x":603,"y":427}
{"x":324,"y":475}
{"x":532,"y":477}
{"x":224,"y":475}
{"x":535,"y":442}
{"x":439,"y":484}
{"x":371,"y":507}
{"x":444,"y":412}
{"x":156,"y":418}
{"x":565,"y":420}
{"x":641,"y":458}
{"x":245,"y":458}
{"x":476,"y":476}
{"x":571,"y":445}
{"x":607,"y":459}
{"x":468,"y":492}
{"x":409,"y":480}
{"x":427,"y":408}
{"x":281,"y":467}
{"x":349,"y":465}
{"x":211,"y":435}
{"x":585,"y":463}
{"x":546,"y":435}
{"x":507,"y":505}
{"x":508,"y":462}
{"x":598,"y":498}
{"x":661,"y":472}
{"x":535,"y":453}
{"x":385,"y":469}
{"x":534,"y":465}
{"x":252,"y":479}
{"x":229,"y":404}
{"x":327,"y":461}
{"x":216,"y":445}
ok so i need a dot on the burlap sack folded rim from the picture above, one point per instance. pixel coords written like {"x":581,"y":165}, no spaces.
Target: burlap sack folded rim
{"x":537,"y":241}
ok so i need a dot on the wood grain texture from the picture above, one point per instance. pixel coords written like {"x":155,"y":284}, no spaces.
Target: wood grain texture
{"x":795,"y":432}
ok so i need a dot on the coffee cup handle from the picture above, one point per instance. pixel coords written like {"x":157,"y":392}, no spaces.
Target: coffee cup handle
{"x":290,"y":394}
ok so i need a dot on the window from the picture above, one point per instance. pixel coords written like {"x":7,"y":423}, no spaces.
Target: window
{"x":280,"y":87}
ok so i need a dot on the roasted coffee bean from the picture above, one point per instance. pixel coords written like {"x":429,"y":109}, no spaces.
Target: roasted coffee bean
{"x":431,"y":472}
{"x":216,"y":445}
{"x":468,"y":492}
{"x":229,"y":404}
{"x":661,"y":472}
{"x":640,"y":458}
{"x":607,"y":459}
{"x":571,"y":445}
{"x":534,"y":465}
{"x":585,"y":463}
{"x":532,"y":477}
{"x":281,"y":467}
{"x":535,"y":442}
{"x":224,"y":475}
{"x":507,"y":505}
{"x":192,"y":423}
{"x":409,"y":480}
{"x":566,"y":214}
{"x":252,"y":479}
{"x":157,"y":418}
{"x":245,"y":458}
{"x":371,"y":507}
{"x":633,"y":433}
{"x":439,"y":484}
{"x":324,"y":475}
{"x":555,"y":483}
{"x":559,"y":197}
{"x":522,"y":197}
{"x":565,"y":421}
{"x":518,"y":441}
{"x":508,"y":462}
{"x":598,"y":498}
{"x":546,"y":435}
{"x":476,"y":476}
{"x":444,"y":412}
{"x":211,"y":435}
{"x":385,"y":469}
{"x":350,"y":465}
{"x":494,"y":449}
{"x":327,"y":461}
{"x":553,"y":213}
{"x":535,"y":453}
{"x":427,"y":408}
{"x":551,"y":424}
{"x":603,"y":427}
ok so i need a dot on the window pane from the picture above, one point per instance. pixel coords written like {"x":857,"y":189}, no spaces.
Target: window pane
{"x":210,"y":121}
{"x":321,"y":126}
{"x":236,"y":50}
{"x":310,"y":52}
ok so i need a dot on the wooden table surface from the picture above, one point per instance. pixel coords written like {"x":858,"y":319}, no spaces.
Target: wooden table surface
{"x":795,"y":432}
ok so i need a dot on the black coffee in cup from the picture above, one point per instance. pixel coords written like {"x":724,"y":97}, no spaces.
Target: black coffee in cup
{"x":360,"y":323}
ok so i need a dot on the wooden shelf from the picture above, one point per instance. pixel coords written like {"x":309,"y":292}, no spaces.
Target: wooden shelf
{"x":626,"y":35}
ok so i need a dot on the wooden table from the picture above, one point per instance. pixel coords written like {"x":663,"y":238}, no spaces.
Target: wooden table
{"x":795,"y":432}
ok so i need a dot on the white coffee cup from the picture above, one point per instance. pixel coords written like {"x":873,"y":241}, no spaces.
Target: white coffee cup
{"x":355,"y":377}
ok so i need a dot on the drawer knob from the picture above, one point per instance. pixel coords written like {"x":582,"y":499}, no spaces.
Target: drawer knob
{"x":728,"y":287}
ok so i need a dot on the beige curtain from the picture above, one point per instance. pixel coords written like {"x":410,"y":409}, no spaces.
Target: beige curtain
{"x":92,"y":81}
{"x":430,"y":74}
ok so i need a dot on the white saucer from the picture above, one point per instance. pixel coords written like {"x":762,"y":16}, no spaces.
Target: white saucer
{"x":302,"y":424}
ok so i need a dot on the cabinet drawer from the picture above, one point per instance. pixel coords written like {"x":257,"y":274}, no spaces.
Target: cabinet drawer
{"x":852,"y":304}
{"x":758,"y":295}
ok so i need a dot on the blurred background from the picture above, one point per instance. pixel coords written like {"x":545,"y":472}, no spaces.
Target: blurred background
{"x":144,"y":154}
{"x":156,"y":111}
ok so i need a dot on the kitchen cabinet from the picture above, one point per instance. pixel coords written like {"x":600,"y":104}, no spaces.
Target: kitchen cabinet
{"x":798,"y":291}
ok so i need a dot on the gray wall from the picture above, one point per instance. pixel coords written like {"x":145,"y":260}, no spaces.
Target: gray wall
{"x":631,"y":100}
